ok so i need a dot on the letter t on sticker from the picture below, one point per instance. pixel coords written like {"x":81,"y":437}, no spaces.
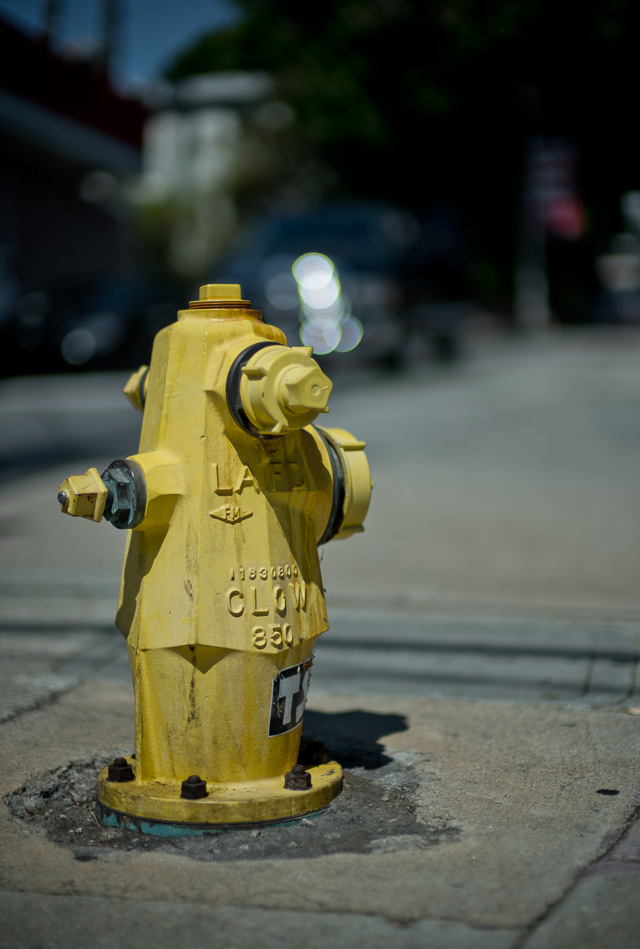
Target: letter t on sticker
{"x":287,"y":688}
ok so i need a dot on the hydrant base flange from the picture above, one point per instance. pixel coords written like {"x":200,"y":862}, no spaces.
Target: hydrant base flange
{"x":160,"y":828}
{"x":247,"y":802}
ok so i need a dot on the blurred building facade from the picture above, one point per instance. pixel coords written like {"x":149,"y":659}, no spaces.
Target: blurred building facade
{"x":68,"y":141}
{"x":206,"y":140}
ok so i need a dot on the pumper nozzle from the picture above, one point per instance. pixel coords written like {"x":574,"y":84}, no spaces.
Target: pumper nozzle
{"x":283,"y":389}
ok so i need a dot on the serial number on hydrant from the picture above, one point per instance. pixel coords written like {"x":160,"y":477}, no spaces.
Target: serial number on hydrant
{"x":278,"y":572}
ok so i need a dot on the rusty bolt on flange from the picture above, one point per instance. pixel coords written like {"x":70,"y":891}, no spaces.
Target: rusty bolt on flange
{"x":297,"y":779}
{"x":193,"y":788}
{"x":120,"y":770}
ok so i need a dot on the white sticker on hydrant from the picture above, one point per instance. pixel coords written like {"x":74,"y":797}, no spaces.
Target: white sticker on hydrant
{"x":289,"y":698}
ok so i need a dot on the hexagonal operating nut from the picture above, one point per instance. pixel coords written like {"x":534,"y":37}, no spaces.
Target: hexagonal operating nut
{"x":306,"y":387}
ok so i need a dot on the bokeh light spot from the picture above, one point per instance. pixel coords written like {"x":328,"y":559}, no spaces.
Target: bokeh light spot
{"x":78,"y":347}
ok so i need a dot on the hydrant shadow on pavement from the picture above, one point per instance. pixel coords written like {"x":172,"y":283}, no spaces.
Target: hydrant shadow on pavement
{"x":353,"y":737}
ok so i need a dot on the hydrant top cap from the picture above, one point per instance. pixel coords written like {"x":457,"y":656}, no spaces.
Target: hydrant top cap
{"x":220,"y":291}
{"x":220,"y":296}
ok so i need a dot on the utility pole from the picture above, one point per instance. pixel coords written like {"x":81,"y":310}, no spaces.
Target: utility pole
{"x":111,"y":32}
{"x":51,"y":15}
{"x":531,"y":296}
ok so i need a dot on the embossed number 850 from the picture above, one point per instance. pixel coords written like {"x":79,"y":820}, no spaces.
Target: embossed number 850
{"x":278,"y":636}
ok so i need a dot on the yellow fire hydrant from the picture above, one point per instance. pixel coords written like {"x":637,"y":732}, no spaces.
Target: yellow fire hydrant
{"x":221,"y":599}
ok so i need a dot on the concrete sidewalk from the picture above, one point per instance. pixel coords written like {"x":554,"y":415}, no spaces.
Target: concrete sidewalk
{"x":460,"y":824}
{"x":479,"y":683}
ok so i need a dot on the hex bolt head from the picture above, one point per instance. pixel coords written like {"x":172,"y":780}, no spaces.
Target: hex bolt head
{"x":120,"y":770}
{"x":193,"y":788}
{"x":297,"y":779}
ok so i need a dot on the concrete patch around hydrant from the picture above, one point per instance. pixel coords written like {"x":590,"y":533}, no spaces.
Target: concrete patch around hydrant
{"x":61,"y":806}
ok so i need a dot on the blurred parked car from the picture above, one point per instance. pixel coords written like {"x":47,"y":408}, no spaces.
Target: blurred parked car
{"x":329,"y":278}
{"x":435,"y":284}
{"x":89,"y":325}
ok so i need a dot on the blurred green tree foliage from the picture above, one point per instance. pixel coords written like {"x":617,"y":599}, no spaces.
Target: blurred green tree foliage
{"x":412,"y":100}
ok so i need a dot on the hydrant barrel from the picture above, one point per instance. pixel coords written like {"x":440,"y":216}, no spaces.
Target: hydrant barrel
{"x":221,"y":602}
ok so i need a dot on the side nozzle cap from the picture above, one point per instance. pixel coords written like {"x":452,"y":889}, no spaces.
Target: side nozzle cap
{"x":357,"y":480}
{"x":136,"y":387}
{"x":84,"y":496}
{"x":283,"y":389}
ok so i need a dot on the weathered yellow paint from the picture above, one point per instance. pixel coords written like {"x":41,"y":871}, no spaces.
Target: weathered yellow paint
{"x":221,"y":588}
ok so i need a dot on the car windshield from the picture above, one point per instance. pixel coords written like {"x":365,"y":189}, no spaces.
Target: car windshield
{"x":363,"y":240}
